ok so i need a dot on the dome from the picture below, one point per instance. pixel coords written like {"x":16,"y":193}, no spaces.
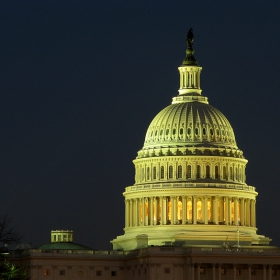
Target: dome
{"x":189,"y":123}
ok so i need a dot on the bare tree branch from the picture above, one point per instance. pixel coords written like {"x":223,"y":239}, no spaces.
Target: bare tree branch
{"x":8,"y":234}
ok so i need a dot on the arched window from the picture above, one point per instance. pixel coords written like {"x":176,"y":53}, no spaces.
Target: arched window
{"x":167,"y":131}
{"x":198,"y":172}
{"x":180,"y":172}
{"x":174,"y":131}
{"x":189,"y":172}
{"x":196,"y":131}
{"x":189,"y":131}
{"x":170,"y":173}
{"x":216,"y":172}
{"x":204,"y":131}
{"x":207,"y":171}
{"x":181,"y":131}
{"x":224,"y":172}
{"x":154,"y":173}
{"x":162,"y":172}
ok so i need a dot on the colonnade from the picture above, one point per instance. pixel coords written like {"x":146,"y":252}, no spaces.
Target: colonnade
{"x":172,"y":210}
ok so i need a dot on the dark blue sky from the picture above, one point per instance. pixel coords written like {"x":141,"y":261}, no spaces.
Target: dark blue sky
{"x":80,"y":81}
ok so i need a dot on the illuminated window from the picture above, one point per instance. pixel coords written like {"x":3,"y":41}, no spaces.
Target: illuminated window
{"x":216,"y":172}
{"x":238,"y":271}
{"x":113,"y":273}
{"x":207,"y":171}
{"x":170,"y":173}
{"x":180,"y":171}
{"x":62,"y":272}
{"x":223,"y":271}
{"x":154,"y":173}
{"x":148,"y":173}
{"x":179,"y":210}
{"x":169,"y":209}
{"x":162,"y":172}
{"x":224,"y":172}
{"x":189,"y":172}
{"x":98,"y":273}
{"x":202,"y":270}
{"x":80,"y":273}
{"x":47,"y":272}
{"x":209,"y":210}
{"x":199,"y":210}
{"x":189,"y":210}
{"x":198,"y":174}
{"x":232,"y":211}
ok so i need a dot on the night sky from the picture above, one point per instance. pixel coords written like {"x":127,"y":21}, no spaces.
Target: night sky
{"x":80,"y":82}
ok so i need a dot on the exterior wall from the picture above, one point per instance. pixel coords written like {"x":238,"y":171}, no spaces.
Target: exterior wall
{"x":156,"y":263}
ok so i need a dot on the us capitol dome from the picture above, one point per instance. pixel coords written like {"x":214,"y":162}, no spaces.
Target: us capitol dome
{"x":190,"y":182}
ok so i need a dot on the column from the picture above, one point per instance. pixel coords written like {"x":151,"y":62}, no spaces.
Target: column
{"x":234,"y":272}
{"x":264,"y":272}
{"x":194,"y":210}
{"x":206,"y":209}
{"x":236,"y":211}
{"x":172,"y":202}
{"x":161,"y":210}
{"x":184,"y":209}
{"x":126,"y":212}
{"x":248,"y":213}
{"x":226,"y":211}
{"x":143,"y":211}
{"x":136,"y":212}
{"x":130,"y":213}
{"x":198,"y":271}
{"x":249,"y":272}
{"x":215,"y":210}
{"x":213,"y":272}
{"x":242,"y":212}
{"x":155,"y":221}
{"x":151,"y":212}
{"x":270,"y":272}
{"x":164,"y":210}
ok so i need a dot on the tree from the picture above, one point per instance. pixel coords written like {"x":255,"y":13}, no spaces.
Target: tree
{"x":9,"y":271}
{"x":8,"y":234}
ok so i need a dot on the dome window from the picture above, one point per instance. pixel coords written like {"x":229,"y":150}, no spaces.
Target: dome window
{"x":198,"y":172}
{"x":167,"y":131}
{"x":151,"y":134}
{"x":156,"y":133}
{"x":223,"y":132}
{"x":180,"y":171}
{"x":196,"y":131}
{"x":161,"y":132}
{"x":216,"y":172}
{"x":162,"y":172}
{"x":217,"y":132}
{"x":154,"y":173}
{"x":207,"y":171}
{"x":148,"y":173}
{"x":224,"y":172}
{"x":189,"y":131}
{"x":181,"y":131}
{"x":204,"y":131}
{"x":170,"y":173}
{"x":174,"y":131}
{"x":211,"y":131}
{"x":189,"y":172}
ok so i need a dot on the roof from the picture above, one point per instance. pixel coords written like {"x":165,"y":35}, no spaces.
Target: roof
{"x":63,"y":246}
